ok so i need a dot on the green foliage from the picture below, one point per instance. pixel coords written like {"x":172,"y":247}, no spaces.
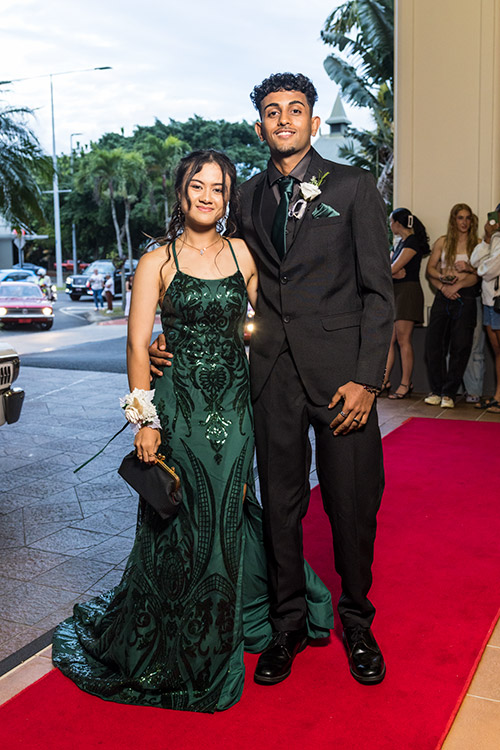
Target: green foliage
{"x":363,"y":32}
{"x":237,"y":139}
{"x":109,"y":141}
{"x":160,"y":158}
{"x":21,"y":159}
{"x":122,"y":187}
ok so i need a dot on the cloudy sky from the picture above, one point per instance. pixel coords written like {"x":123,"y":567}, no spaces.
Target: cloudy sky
{"x":168,"y":60}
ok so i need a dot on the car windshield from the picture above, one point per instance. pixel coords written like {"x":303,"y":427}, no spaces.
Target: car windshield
{"x":20,"y":290}
{"x":102,"y":267}
{"x":19,"y":276}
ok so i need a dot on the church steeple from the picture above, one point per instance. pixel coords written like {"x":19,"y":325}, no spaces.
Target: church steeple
{"x":329,"y":144}
{"x":338,"y":120}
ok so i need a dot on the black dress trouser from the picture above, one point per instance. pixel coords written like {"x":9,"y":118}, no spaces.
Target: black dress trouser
{"x":351,"y":478}
{"x":451,"y":329}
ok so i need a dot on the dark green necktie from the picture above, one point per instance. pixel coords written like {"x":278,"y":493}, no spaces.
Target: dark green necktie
{"x":278,"y":232}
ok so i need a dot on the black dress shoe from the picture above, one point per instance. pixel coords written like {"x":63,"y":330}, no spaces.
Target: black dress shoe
{"x":275,"y":663}
{"x":365,"y":657}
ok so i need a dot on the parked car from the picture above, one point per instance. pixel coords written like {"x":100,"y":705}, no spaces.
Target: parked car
{"x":11,"y":399}
{"x":22,"y":302}
{"x":18,"y":274}
{"x":68,"y":265}
{"x":78,"y":285}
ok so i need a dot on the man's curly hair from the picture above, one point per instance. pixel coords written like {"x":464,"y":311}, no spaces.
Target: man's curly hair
{"x":284,"y":82}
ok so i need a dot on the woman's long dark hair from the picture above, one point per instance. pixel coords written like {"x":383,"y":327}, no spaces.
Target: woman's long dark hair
{"x":408,"y":220}
{"x":186,"y":169}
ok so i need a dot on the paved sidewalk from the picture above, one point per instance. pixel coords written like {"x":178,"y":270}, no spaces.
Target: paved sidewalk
{"x":64,"y":537}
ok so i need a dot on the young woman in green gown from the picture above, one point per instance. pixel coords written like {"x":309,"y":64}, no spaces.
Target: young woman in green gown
{"x":194,"y":592}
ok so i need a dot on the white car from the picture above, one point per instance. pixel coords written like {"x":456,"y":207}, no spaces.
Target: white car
{"x":18,"y":274}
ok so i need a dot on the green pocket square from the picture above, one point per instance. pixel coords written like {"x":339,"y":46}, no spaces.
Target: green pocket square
{"x":323,"y":211}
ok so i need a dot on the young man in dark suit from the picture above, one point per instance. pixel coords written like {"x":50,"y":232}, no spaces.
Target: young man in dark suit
{"x":322,"y":330}
{"x":324,"y":322}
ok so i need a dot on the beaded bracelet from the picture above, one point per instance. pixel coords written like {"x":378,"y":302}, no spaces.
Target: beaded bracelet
{"x":370,"y":388}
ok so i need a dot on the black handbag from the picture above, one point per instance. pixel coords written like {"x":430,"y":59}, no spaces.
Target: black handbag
{"x":157,"y":484}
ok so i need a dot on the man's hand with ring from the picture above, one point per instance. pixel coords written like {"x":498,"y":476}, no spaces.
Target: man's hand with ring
{"x":158,"y":356}
{"x":356,"y":408}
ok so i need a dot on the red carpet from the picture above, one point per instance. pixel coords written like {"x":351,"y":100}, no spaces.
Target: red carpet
{"x":437,"y":592}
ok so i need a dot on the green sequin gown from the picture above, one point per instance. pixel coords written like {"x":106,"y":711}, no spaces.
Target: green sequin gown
{"x":194,"y":591}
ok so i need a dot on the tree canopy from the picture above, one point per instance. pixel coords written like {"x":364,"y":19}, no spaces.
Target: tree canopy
{"x":21,"y":159}
{"x":362,"y":64}
{"x":122,"y":186}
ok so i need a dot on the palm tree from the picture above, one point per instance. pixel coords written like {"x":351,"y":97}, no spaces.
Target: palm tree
{"x":21,"y":158}
{"x":161,"y":157}
{"x":118,"y":176}
{"x":363,"y":32}
{"x":132,"y":175}
{"x":103,"y":167}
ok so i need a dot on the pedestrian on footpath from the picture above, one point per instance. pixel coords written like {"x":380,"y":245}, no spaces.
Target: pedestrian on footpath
{"x":128,"y":293}
{"x":109,"y":292}
{"x":97,"y":285}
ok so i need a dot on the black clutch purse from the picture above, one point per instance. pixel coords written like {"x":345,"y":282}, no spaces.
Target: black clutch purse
{"x":157,"y":484}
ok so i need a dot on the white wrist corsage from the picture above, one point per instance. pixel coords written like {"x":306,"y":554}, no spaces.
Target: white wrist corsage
{"x":309,"y":191}
{"x":140,"y":410}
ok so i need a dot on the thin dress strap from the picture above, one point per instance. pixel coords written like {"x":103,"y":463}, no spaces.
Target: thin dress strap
{"x":175,"y":255}
{"x":232,"y":251}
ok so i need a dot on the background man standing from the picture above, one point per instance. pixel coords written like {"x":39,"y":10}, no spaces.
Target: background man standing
{"x":322,"y":330}
{"x":96,"y":282}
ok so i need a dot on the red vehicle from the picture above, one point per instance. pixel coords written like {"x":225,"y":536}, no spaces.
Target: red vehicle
{"x":68,"y":265}
{"x":24,"y":303}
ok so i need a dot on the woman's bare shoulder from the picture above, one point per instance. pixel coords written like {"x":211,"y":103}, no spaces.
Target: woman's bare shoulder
{"x":243,"y":254}
{"x":154,"y":259}
{"x":158,"y":254}
{"x":239,"y":246}
{"x":438,"y":245}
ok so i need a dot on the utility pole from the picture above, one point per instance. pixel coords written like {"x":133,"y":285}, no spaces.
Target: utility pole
{"x":73,"y":228}
{"x":55,"y":181}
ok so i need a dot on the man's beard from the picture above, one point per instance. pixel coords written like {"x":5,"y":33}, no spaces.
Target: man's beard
{"x":287,"y":150}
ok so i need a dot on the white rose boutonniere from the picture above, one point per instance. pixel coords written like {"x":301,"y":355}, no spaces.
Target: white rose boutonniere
{"x":140,"y":410}
{"x":308,"y":191}
{"x":311,"y":190}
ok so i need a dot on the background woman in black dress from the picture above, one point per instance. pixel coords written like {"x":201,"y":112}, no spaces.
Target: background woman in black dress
{"x":409,"y":297}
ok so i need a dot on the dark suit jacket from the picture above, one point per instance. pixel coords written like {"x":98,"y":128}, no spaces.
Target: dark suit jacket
{"x":331,"y":297}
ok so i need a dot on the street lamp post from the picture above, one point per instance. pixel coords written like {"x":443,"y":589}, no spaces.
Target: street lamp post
{"x":55,"y":181}
{"x":55,"y":188}
{"x":73,"y":228}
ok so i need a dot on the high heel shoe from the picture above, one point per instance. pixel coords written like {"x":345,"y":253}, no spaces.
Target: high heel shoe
{"x":397,"y":395}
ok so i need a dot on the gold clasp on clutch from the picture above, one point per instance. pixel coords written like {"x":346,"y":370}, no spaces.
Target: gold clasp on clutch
{"x":160,"y":460}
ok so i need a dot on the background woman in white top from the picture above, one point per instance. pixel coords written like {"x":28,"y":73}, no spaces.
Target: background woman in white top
{"x":486,"y":258}
{"x":454,"y":311}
